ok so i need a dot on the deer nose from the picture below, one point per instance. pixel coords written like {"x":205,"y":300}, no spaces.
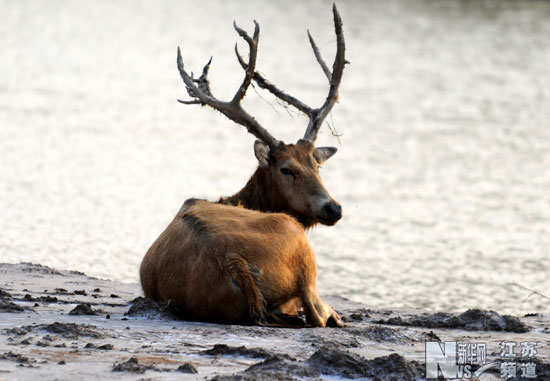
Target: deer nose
{"x":333,"y":211}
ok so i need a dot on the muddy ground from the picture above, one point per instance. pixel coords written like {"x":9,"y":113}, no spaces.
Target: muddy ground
{"x":65,"y":325}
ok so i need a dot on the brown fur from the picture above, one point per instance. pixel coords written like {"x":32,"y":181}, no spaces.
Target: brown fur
{"x":234,"y":265}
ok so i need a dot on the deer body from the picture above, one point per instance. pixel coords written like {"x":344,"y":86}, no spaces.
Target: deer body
{"x":233,"y":265}
{"x":246,"y":258}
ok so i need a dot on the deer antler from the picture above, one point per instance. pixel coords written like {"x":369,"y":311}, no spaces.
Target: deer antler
{"x":199,"y":90}
{"x":316,"y":116}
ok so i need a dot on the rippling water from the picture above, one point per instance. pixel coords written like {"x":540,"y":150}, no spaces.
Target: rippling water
{"x":443,"y":166}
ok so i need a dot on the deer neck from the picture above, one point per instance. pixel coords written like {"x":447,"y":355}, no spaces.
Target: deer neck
{"x":261,"y":194}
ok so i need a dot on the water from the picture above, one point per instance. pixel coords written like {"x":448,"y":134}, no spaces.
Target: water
{"x":442,"y":169}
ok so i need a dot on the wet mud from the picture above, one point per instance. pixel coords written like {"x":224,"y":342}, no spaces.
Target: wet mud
{"x":10,"y":307}
{"x":66,"y":330}
{"x":225,"y":350}
{"x":471,"y":320}
{"x":82,"y":309}
{"x":87,"y":328}
{"x":332,"y":361}
{"x":132,"y":365}
{"x":150,"y":309}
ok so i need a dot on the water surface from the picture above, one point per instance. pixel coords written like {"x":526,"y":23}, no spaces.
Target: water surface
{"x":443,"y":161}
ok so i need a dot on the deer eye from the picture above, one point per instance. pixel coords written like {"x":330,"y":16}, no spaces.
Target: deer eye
{"x":286,"y":171}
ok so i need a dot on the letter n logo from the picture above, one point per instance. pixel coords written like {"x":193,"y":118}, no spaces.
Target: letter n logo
{"x":441,"y":359}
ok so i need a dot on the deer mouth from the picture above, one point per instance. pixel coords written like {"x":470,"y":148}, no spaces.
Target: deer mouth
{"x":327,"y":222}
{"x":330,"y":214}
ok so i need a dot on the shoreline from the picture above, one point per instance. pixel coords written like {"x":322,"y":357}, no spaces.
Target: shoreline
{"x":57,"y":324}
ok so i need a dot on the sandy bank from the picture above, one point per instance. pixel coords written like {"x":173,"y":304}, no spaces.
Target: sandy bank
{"x":65,"y":325}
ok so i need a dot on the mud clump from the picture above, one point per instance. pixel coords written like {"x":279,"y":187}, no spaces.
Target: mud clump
{"x":19,"y":331}
{"x":132,"y":365}
{"x":82,"y":309}
{"x":335,"y":362}
{"x":332,"y":361}
{"x":282,"y":366}
{"x":187,"y":368}
{"x":104,"y":347}
{"x":15,"y":357}
{"x":9,"y":306}
{"x":379,"y":334}
{"x":276,"y":368}
{"x":471,"y":320}
{"x":4,"y":294}
{"x":6,"y":305}
{"x":150,"y":309}
{"x":70,"y":330}
{"x":41,"y":299}
{"x":225,"y":350}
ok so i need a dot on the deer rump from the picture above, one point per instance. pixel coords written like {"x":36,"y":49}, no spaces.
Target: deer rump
{"x":233,"y":265}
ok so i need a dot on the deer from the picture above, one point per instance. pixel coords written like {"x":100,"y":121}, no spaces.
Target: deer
{"x":245,"y":259}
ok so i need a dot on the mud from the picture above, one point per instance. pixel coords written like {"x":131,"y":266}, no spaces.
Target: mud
{"x":10,"y":356}
{"x":332,"y":361}
{"x":104,"y":347}
{"x":40,"y":299}
{"x":82,"y":309}
{"x":275,"y":368}
{"x":379,"y":334}
{"x":150,"y":309}
{"x":4,"y":294}
{"x":131,"y":365}
{"x":66,"y":330}
{"x":145,"y":338}
{"x":337,"y":362}
{"x":187,"y":368}
{"x":10,"y":307}
{"x":225,"y":350}
{"x":471,"y":320}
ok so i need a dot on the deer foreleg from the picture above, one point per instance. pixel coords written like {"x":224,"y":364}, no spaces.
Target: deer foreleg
{"x":318,"y":313}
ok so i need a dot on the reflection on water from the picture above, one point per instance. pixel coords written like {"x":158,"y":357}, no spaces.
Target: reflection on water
{"x":442,"y":169}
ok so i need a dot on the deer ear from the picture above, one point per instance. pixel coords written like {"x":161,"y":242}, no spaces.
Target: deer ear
{"x":261,"y":150}
{"x":322,"y":154}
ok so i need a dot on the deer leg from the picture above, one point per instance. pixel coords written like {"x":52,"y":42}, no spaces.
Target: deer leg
{"x":318,"y":313}
{"x":240,"y":273}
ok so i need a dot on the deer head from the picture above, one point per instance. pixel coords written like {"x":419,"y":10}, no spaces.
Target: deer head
{"x":287,"y":179}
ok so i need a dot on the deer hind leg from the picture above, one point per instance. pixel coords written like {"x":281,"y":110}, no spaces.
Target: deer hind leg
{"x":239,"y":272}
{"x":319,"y":313}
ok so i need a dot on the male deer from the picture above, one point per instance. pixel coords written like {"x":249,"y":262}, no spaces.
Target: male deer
{"x":246,"y":258}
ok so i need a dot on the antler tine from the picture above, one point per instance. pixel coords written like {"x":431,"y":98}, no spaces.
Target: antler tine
{"x":318,"y":56}
{"x":334,"y":78}
{"x":201,"y":97}
{"x":199,"y":89}
{"x":249,"y":71}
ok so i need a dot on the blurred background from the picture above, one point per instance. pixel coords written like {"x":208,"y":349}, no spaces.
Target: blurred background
{"x":442,"y":168}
